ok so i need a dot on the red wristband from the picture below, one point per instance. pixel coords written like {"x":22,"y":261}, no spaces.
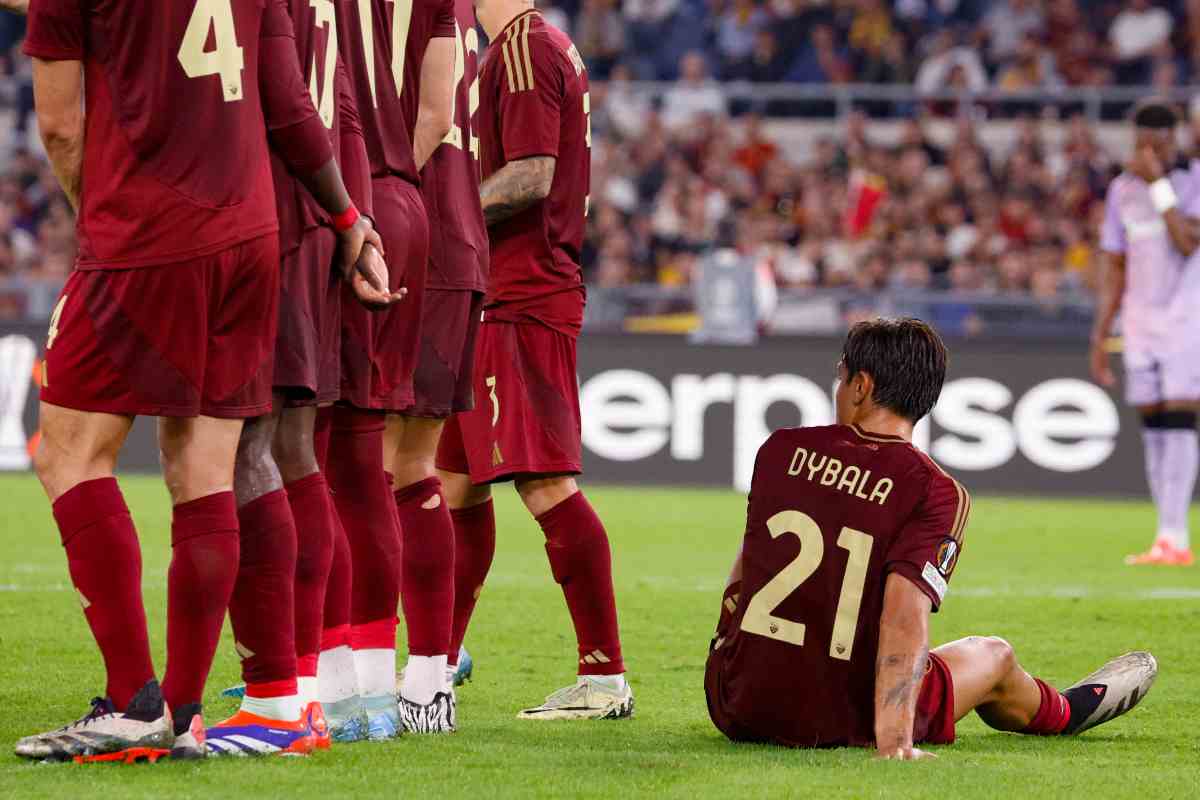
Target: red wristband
{"x":345,"y":220}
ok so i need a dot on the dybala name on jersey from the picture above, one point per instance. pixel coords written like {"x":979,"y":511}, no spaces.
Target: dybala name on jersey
{"x":848,"y":478}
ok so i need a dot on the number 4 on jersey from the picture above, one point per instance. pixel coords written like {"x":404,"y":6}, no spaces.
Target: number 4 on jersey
{"x":225,"y":59}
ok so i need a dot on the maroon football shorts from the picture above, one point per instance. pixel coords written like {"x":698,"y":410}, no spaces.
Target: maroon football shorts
{"x":934,"y":722}
{"x":380,"y":349}
{"x":442,"y":382}
{"x":308,"y":346}
{"x":178,"y":340}
{"x":526,"y":418}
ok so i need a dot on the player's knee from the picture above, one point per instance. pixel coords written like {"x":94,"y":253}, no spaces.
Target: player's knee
{"x":1000,"y":653}
{"x":542,"y":494}
{"x":293,"y":452}
{"x":460,"y":492}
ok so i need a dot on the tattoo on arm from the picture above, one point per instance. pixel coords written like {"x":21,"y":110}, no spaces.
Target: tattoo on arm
{"x":902,"y":693}
{"x":515,"y":187}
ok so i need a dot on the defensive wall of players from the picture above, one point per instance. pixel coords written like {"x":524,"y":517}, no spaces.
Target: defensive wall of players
{"x":1015,"y":417}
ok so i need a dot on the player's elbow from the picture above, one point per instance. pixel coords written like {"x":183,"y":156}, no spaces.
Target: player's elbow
{"x":542,"y":177}
{"x":60,"y":128}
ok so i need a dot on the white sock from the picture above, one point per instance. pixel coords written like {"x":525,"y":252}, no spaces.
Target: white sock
{"x":615,"y":683}
{"x":376,"y":670}
{"x":1181,"y":462}
{"x":306,"y":687}
{"x":1152,"y":444}
{"x":337,"y":678}
{"x":424,"y":676}
{"x":286,"y":708}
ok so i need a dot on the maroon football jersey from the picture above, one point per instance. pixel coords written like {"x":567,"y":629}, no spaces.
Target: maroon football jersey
{"x":175,"y":162}
{"x":383,"y":43}
{"x":458,"y":245}
{"x":832,"y":512}
{"x":315,"y":25}
{"x":533,"y":101}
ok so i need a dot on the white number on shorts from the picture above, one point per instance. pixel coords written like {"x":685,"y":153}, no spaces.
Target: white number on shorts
{"x":55,"y":317}
{"x":401,"y":20}
{"x":759,"y":617}
{"x":225,"y":59}
{"x":491,"y":384}
{"x":322,"y":96}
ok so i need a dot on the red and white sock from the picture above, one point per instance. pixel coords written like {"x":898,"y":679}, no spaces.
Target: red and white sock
{"x":363,"y":498}
{"x":262,"y":610}
{"x":313,"y":512}
{"x":581,"y":561}
{"x":427,"y":586}
{"x":105,"y":562}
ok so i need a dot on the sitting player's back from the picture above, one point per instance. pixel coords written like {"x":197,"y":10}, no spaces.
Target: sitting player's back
{"x":832,"y":511}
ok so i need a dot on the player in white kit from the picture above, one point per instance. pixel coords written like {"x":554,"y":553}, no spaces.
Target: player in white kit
{"x":1151,"y":234}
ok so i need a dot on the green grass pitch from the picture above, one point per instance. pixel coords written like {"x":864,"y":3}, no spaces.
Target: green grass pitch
{"x":1046,"y":575}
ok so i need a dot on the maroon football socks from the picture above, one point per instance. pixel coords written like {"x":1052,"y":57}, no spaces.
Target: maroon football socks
{"x":1053,"y":714}
{"x":105,"y":563}
{"x":263,"y":595}
{"x":204,"y":567}
{"x":427,"y":574}
{"x":312,"y":511}
{"x":364,"y":503}
{"x":474,"y":548}
{"x":581,"y":561}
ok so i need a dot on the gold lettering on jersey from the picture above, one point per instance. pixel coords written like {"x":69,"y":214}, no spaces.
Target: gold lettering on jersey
{"x":849,"y":481}
{"x":576,"y":61}
{"x":861,"y":485}
{"x":849,"y":478}
{"x":882,"y":490}
{"x":832,"y":470}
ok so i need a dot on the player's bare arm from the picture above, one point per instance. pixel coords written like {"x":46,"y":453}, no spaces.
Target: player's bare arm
{"x":515,"y":187}
{"x":1112,"y":288}
{"x":15,"y":6}
{"x":435,"y":113}
{"x":900,"y":667}
{"x":58,"y":94}
{"x":1183,"y":230}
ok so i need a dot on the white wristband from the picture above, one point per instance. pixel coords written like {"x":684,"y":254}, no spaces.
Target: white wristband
{"x":1162,"y":195}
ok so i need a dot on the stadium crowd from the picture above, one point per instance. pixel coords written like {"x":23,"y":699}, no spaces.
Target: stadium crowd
{"x":953,"y":218}
{"x":677,"y":175}
{"x":1010,"y":44}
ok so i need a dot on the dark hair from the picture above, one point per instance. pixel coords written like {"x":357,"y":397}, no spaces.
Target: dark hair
{"x":1156,"y":114}
{"x":906,"y":358}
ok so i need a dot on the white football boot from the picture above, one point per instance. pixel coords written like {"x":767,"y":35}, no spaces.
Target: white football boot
{"x":1110,"y":691}
{"x":588,"y":698}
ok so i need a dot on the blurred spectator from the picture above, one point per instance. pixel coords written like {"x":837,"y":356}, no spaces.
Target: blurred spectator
{"x":600,"y":35}
{"x":694,"y":95}
{"x":822,"y":61}
{"x":1006,"y":26}
{"x":1032,"y":67}
{"x":737,"y":30}
{"x":951,"y":65}
{"x":1138,"y":33}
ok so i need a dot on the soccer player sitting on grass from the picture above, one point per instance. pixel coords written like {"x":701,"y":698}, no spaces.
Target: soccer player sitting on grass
{"x":852,"y":535}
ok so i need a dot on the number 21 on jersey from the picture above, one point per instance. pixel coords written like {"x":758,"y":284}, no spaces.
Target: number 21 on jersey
{"x":760,"y":617}
{"x":225,"y":59}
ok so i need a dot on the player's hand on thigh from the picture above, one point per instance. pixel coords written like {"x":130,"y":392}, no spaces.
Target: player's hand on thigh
{"x":370,"y":281}
{"x":905,"y":754}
